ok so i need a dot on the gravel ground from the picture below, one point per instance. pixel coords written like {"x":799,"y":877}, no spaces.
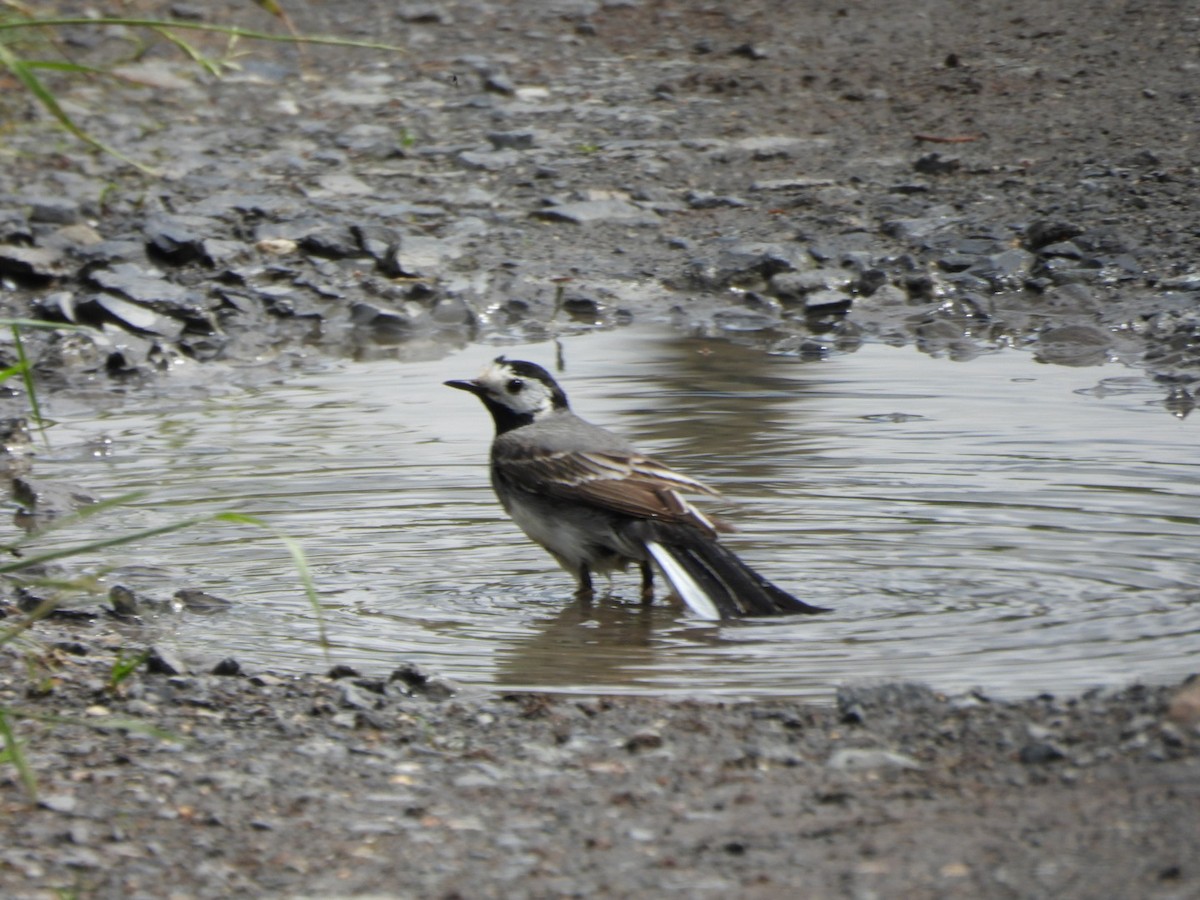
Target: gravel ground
{"x":395,"y":786}
{"x":802,"y":176}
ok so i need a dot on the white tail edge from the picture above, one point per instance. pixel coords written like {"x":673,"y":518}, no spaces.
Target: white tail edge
{"x":691,"y":593}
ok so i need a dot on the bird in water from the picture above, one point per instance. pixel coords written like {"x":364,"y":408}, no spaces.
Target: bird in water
{"x":596,"y":504}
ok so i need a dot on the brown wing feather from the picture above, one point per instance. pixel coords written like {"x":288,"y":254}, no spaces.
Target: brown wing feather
{"x":631,"y":484}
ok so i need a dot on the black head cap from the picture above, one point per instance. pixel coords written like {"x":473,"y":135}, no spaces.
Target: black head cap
{"x":515,"y":392}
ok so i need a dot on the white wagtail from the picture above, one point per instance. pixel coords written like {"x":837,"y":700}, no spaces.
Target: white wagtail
{"x":596,"y":504}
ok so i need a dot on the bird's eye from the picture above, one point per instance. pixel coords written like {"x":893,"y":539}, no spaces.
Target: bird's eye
{"x":514,"y":386}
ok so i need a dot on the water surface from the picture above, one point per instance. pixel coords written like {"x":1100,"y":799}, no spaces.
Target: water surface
{"x":997,"y":522}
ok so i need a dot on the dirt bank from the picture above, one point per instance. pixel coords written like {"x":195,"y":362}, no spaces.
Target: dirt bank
{"x":353,"y":786}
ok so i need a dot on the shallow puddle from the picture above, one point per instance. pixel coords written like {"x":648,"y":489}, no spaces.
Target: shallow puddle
{"x":998,"y":522}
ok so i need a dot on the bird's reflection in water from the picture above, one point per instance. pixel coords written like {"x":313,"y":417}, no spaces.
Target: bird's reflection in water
{"x":608,"y":643}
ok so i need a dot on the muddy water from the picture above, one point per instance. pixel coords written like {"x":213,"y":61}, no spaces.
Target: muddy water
{"x":998,"y":522}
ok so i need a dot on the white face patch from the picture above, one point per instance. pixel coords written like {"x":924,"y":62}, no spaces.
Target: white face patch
{"x":522,"y":394}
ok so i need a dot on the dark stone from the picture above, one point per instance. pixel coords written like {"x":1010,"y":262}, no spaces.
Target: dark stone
{"x":499,"y":83}
{"x":1042,"y":233}
{"x":203,"y":347}
{"x":587,"y":212}
{"x":858,"y":704}
{"x":53,"y":210}
{"x":750,"y":51}
{"x":14,"y":227}
{"x":936,"y":164}
{"x":385,"y":325}
{"x":33,"y":264}
{"x":64,"y":804}
{"x":955,"y":262}
{"x":416,"y":682}
{"x":138,"y":284}
{"x":56,"y":306}
{"x":415,"y":256}
{"x":111,"y":252}
{"x":1066,"y":249}
{"x":852,"y":713}
{"x":130,"y":353}
{"x":124,"y":601}
{"x":352,"y":698}
{"x":72,"y":647}
{"x":424,"y":14}
{"x":49,"y":498}
{"x":824,"y":303}
{"x":1189,"y":281}
{"x":744,"y":264}
{"x":377,"y":241}
{"x":1005,"y":271}
{"x":332,"y":242}
{"x":793,"y":287}
{"x":198,"y":601}
{"x":511,"y":140}
{"x":1039,"y":753}
{"x":646,"y":740}
{"x":1179,"y":402}
{"x":227,"y":666}
{"x":707,"y":200}
{"x":374,"y":685}
{"x":1068,"y":271}
{"x":178,"y":240}
{"x":164,"y":662}
{"x":188,"y":12}
{"x":410,"y":675}
{"x":584,"y":308}
{"x":390,"y":263}
{"x":101,"y":308}
{"x":869,"y":281}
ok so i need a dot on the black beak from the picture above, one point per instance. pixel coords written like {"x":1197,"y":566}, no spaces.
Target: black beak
{"x":469,"y":386}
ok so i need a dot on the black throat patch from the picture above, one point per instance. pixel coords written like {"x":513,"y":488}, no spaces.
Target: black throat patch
{"x":505,"y":417}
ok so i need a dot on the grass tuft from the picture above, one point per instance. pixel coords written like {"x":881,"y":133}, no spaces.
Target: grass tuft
{"x":21,"y":20}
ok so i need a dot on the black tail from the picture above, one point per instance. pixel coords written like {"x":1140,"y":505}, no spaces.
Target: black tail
{"x":715,"y":583}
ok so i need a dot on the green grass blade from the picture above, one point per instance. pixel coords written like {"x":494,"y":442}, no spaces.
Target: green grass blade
{"x":301,"y":562}
{"x":108,"y":723}
{"x":22,"y":71}
{"x":13,"y":754}
{"x":12,"y":370}
{"x":190,"y":52}
{"x":79,"y":515}
{"x":93,"y":546}
{"x":56,"y":66}
{"x":124,"y":666}
{"x":49,"y":326}
{"x":230,"y":30}
{"x":25,"y":70}
{"x":271,"y":6}
{"x":35,"y":408}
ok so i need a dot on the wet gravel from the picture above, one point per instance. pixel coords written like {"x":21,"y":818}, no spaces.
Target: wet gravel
{"x":799,"y":176}
{"x":256,"y":785}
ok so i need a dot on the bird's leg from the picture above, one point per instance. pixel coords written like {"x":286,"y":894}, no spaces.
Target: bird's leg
{"x":647,"y":583}
{"x":584,"y":590}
